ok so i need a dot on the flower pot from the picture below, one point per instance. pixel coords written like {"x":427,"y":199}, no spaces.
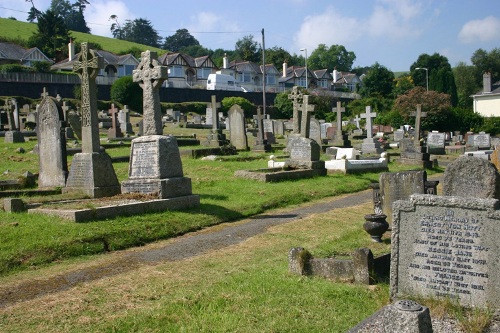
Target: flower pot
{"x":375,"y":226}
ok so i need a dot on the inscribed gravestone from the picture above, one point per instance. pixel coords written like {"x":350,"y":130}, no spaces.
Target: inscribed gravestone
{"x":399,"y":135}
{"x":481,"y":140}
{"x":124,"y":120}
{"x":471,"y":177}
{"x":435,"y":143}
{"x":315,"y":131}
{"x":53,"y":167}
{"x":237,"y":134}
{"x":399,"y":186}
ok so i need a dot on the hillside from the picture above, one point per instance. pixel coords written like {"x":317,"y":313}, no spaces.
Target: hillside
{"x":13,"y":29}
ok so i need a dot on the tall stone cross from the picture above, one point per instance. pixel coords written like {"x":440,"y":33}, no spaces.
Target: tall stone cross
{"x":65,"y":108}
{"x":356,"y":120}
{"x":44,"y":93}
{"x":114,"y":114}
{"x":87,"y":66}
{"x":10,"y":115}
{"x":306,"y":110}
{"x":369,"y":115}
{"x":296,"y":97}
{"x":418,"y":116}
{"x":339,"y":109}
{"x":150,"y":76}
{"x":214,"y":105}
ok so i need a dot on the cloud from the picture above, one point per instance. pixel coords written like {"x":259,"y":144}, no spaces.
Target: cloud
{"x":98,"y":13}
{"x":480,"y":30}
{"x":394,"y":19}
{"x":213,"y":29}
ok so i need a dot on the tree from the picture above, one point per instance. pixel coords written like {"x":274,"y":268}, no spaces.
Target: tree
{"x":402,"y":85}
{"x":34,"y":13}
{"x":248,"y":108}
{"x":335,"y":56}
{"x":139,"y":31}
{"x":277,"y":56}
{"x":436,"y":104}
{"x":377,"y":82}
{"x":195,"y":51}
{"x":439,"y":75}
{"x":247,"y":49}
{"x":52,"y":35}
{"x":180,"y":40}
{"x":467,"y":85}
{"x":127,"y":92}
{"x":116,"y":29}
{"x":72,"y":14}
{"x":486,"y":62}
{"x":283,"y":106}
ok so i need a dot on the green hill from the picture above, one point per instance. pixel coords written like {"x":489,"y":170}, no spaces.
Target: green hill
{"x":12,"y":29}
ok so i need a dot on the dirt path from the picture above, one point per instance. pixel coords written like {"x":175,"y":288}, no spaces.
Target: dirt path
{"x":189,"y":245}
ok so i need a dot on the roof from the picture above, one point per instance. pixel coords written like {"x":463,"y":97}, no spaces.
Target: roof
{"x":495,"y":89}
{"x":170,"y":59}
{"x":109,"y":59}
{"x":10,"y":51}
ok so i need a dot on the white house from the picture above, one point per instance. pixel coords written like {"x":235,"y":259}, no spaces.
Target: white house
{"x":487,"y":101}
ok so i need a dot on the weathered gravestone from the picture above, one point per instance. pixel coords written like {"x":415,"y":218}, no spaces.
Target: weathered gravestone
{"x":399,"y":186}
{"x":435,"y":143}
{"x":13,"y":135}
{"x":51,"y":145}
{"x":155,"y":165}
{"x":481,"y":141}
{"x":261,"y":145}
{"x":268,"y":131}
{"x":315,"y":131}
{"x":215,"y":138}
{"x":412,"y":154}
{"x":114,"y":131}
{"x":75,"y":122}
{"x":398,"y":135}
{"x":91,"y":170}
{"x":279,"y":128}
{"x":237,"y":133}
{"x":124,"y":120}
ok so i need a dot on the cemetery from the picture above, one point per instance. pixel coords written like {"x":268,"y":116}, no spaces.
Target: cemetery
{"x":139,"y":180}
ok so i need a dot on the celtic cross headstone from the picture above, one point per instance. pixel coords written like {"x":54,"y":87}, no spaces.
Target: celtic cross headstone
{"x":296,"y":97}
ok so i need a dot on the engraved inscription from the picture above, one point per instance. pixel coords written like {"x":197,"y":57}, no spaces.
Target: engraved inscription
{"x":144,"y":162}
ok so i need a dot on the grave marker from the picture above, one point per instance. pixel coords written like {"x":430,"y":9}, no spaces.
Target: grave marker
{"x":418,"y":116}
{"x":435,"y":143}
{"x":296,"y":97}
{"x":306,"y":110}
{"x":114,"y":131}
{"x":237,"y":134}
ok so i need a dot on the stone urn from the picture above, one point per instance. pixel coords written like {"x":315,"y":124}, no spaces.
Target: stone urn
{"x":376,"y":225}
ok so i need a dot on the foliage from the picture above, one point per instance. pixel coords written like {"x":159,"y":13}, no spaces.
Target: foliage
{"x":72,"y":14}
{"x":491,"y":125}
{"x":437,"y":105}
{"x":127,"y":92}
{"x":486,"y":62}
{"x":247,"y":49}
{"x":41,"y":66}
{"x":34,"y":13}
{"x":245,"y":104}
{"x":465,"y":79}
{"x":277,"y":56}
{"x":335,"y":56}
{"x":283,"y":107}
{"x":403,"y":84}
{"x":323,"y":103}
{"x":186,"y":107}
{"x":180,"y":40}
{"x":382,"y":106}
{"x":464,"y":120}
{"x":52,"y":35}
{"x":378,"y":82}
{"x":439,"y":75}
{"x":392,"y":118}
{"x":195,"y":51}
{"x":14,"y":68}
{"x":138,"y":31}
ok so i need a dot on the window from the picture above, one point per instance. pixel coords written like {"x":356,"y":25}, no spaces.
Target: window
{"x":301,"y":81}
{"x":203,"y":73}
{"x":245,"y":77}
{"x":323,"y":83}
{"x":175,"y":71}
{"x":270,"y":79}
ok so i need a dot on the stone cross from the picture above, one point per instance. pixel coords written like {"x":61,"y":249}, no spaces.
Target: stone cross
{"x":65,"y":109}
{"x":259,"y":140}
{"x":150,"y":75}
{"x":339,"y":109}
{"x":369,"y":115}
{"x":114,"y":113}
{"x":87,"y":66}
{"x":296,"y":96}
{"x":44,"y":93}
{"x":306,"y":110}
{"x":10,"y":115}
{"x":356,"y":120}
{"x":215,"y":117}
{"x":418,"y":115}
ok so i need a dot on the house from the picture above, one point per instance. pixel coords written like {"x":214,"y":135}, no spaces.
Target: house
{"x":348,"y":81}
{"x":296,"y":76}
{"x":115,"y":66}
{"x":487,"y":101}
{"x":249,"y":75}
{"x":185,"y":71}
{"x":15,"y":54}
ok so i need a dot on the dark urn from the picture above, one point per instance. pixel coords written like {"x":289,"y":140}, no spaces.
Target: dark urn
{"x":376,"y":225}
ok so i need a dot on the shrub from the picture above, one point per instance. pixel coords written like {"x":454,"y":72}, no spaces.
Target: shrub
{"x":127,"y":92}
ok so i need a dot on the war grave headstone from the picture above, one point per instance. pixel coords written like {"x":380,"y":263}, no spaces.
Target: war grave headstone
{"x":91,"y":170}
{"x":436,"y":143}
{"x":215,"y":138}
{"x":155,"y":165}
{"x":124,"y":120}
{"x":447,"y":246}
{"x":370,"y":145}
{"x":315,"y":131}
{"x":237,"y":132}
{"x":114,"y":131}
{"x":481,"y":141}
{"x":395,"y":186}
{"x":53,"y":167}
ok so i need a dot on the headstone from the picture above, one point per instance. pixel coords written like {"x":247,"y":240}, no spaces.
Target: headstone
{"x":481,"y":140}
{"x":323,"y":129}
{"x":418,"y":116}
{"x":399,"y":186}
{"x":269,"y":131}
{"x":306,"y":110}
{"x":196,"y":119}
{"x":114,"y":131}
{"x":237,"y":134}
{"x":315,"y":131}
{"x":339,"y":109}
{"x":208,"y":116}
{"x":398,"y":135}
{"x":15,"y":113}
{"x":91,"y":170}
{"x":296,"y":97}
{"x":370,"y":145}
{"x":155,"y":165}
{"x":303,"y":149}
{"x":412,"y":154}
{"x":124,"y":120}
{"x":13,"y":135}
{"x":51,"y":145}
{"x":215,"y":138}
{"x":261,"y":145}
{"x":472,"y":178}
{"x":356,"y":121}
{"x":75,"y":122}
{"x":368,"y":115}
{"x":279,"y":128}
{"x":435,"y":143}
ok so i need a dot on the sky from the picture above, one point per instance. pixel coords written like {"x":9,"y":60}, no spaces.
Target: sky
{"x":391,"y":32}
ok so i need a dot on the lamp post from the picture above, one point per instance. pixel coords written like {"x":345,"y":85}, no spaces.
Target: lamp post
{"x":426,"y":75}
{"x":304,"y":49}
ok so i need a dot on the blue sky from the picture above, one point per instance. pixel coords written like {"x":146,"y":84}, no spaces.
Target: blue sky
{"x":391,"y":32}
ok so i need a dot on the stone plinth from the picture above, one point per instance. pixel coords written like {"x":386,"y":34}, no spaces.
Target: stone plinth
{"x":371,"y":146}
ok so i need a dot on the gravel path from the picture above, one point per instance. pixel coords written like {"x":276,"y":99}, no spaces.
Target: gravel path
{"x":183,"y":247}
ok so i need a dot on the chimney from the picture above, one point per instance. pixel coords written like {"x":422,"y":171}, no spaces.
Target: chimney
{"x":335,"y":75}
{"x":224,"y":61}
{"x":71,"y":48}
{"x":285,"y":68}
{"x":486,"y":82}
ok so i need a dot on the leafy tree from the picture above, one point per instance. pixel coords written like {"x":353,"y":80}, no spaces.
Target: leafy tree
{"x":380,"y":105}
{"x":218,"y":55}
{"x":440,"y":75}
{"x":116,"y":29}
{"x":377,"y":82}
{"x":247,"y":49}
{"x":283,"y":106}
{"x":402,"y":85}
{"x":34,"y":13}
{"x":246,"y":105}
{"x":467,"y":85}
{"x":436,"y":104}
{"x":486,"y":62}
{"x":277,"y":56}
{"x":52,"y":35}
{"x":464,"y":119}
{"x":181,"y":39}
{"x":360,"y":70}
{"x":126,"y":91}
{"x":72,"y":14}
{"x":195,"y":51}
{"x":335,"y":56}
{"x":138,"y":31}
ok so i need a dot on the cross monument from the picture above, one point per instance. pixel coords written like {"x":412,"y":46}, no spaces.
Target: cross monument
{"x":306,"y":110}
{"x":369,"y":115}
{"x":418,"y":116}
{"x":339,"y":109}
{"x":296,"y":97}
